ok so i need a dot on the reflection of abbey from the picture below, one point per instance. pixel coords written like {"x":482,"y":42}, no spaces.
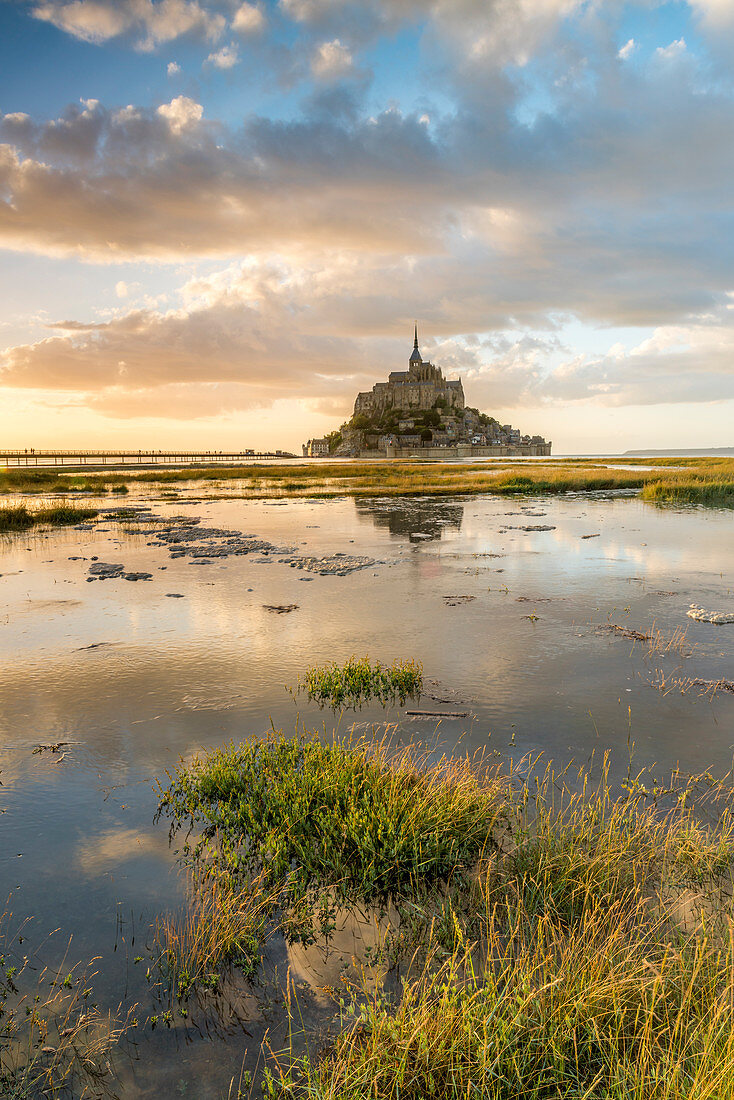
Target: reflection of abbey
{"x":418,"y":411}
{"x":421,"y":386}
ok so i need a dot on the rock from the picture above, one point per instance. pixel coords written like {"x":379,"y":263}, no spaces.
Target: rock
{"x":137,"y":576}
{"x":175,"y":595}
{"x":531,"y":527}
{"x":702,"y":616}
{"x":106,"y":570}
{"x":339,"y":565}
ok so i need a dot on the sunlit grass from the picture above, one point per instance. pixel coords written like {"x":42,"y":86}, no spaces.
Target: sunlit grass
{"x":358,"y":819}
{"x":576,"y":940}
{"x":605,"y":1010}
{"x":221,"y":925}
{"x":700,"y":480}
{"x":19,"y":517}
{"x":360,"y":679}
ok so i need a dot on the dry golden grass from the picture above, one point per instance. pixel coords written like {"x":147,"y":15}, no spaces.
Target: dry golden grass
{"x":686,"y":481}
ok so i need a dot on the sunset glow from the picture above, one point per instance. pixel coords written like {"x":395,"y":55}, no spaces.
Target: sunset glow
{"x":219,"y":220}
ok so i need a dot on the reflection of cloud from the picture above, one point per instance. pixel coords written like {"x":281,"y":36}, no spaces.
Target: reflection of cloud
{"x":106,"y":850}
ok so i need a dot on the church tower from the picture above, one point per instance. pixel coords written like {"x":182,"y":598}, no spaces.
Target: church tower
{"x":415,"y":363}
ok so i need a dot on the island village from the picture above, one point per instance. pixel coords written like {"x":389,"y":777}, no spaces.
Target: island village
{"x":418,"y":412}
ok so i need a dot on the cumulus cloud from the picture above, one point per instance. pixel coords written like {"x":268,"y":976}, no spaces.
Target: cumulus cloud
{"x":181,"y":113}
{"x":259,"y":332}
{"x":331,"y":61}
{"x":173,"y":68}
{"x":154,"y":22}
{"x":609,"y":202}
{"x":248,"y":19}
{"x":305,"y":11}
{"x":225,"y":58}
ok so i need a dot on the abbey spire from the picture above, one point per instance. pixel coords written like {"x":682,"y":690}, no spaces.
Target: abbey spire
{"x":416,"y":355}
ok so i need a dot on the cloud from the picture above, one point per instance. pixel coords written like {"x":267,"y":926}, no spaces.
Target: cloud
{"x":674,"y":50}
{"x":306,"y":11}
{"x":225,"y":58}
{"x":609,"y":202}
{"x":98,"y":21}
{"x":121,"y":289}
{"x":627,"y":50}
{"x":331,"y":61}
{"x":248,"y":19}
{"x":716,"y":14}
{"x":181,"y":113}
{"x":173,"y":68}
{"x":259,"y":332}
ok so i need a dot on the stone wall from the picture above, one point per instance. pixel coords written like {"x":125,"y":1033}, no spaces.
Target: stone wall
{"x":461,"y":450}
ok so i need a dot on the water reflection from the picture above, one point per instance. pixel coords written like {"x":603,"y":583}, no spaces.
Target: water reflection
{"x":417,"y":518}
{"x":136,"y":679}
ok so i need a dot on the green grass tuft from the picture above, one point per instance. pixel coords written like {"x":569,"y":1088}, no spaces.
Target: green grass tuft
{"x":351,"y":817}
{"x":360,"y":679}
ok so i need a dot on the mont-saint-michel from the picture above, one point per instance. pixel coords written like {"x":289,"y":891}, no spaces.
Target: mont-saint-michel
{"x":420,"y":408}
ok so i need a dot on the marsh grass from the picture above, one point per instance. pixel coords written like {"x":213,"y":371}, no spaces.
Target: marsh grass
{"x":557,"y":937}
{"x":49,"y":481}
{"x":679,"y":481}
{"x":54,"y":1040}
{"x":655,"y":641}
{"x":606,"y":1009}
{"x":222,"y":925}
{"x":360,"y":679}
{"x":333,"y":824}
{"x":19,"y":517}
{"x":590,"y":955}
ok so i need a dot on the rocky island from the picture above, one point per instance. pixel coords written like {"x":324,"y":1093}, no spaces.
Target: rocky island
{"x":419,"y":411}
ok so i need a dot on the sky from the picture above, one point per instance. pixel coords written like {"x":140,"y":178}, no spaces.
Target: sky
{"x":219,"y":220}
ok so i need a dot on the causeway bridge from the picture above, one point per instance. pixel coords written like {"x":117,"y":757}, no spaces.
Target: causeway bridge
{"x":32,"y":457}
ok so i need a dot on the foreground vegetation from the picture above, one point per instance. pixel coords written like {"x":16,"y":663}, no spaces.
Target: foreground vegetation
{"x":350,"y":817}
{"x":686,"y":481}
{"x":360,"y":679}
{"x":561,"y":939}
{"x":19,"y":517}
{"x":54,"y":1041}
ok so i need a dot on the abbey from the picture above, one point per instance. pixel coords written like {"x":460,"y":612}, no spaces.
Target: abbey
{"x":419,"y":408}
{"x":418,"y":387}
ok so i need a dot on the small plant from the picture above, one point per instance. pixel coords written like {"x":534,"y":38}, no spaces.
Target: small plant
{"x":360,"y":679}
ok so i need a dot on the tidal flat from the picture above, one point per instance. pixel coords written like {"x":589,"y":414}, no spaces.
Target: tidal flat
{"x":548,"y":628}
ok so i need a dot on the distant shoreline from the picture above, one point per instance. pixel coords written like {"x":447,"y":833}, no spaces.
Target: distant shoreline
{"x":683,"y":452}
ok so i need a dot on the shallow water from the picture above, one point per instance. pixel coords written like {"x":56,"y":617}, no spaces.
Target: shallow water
{"x":136,"y":679}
